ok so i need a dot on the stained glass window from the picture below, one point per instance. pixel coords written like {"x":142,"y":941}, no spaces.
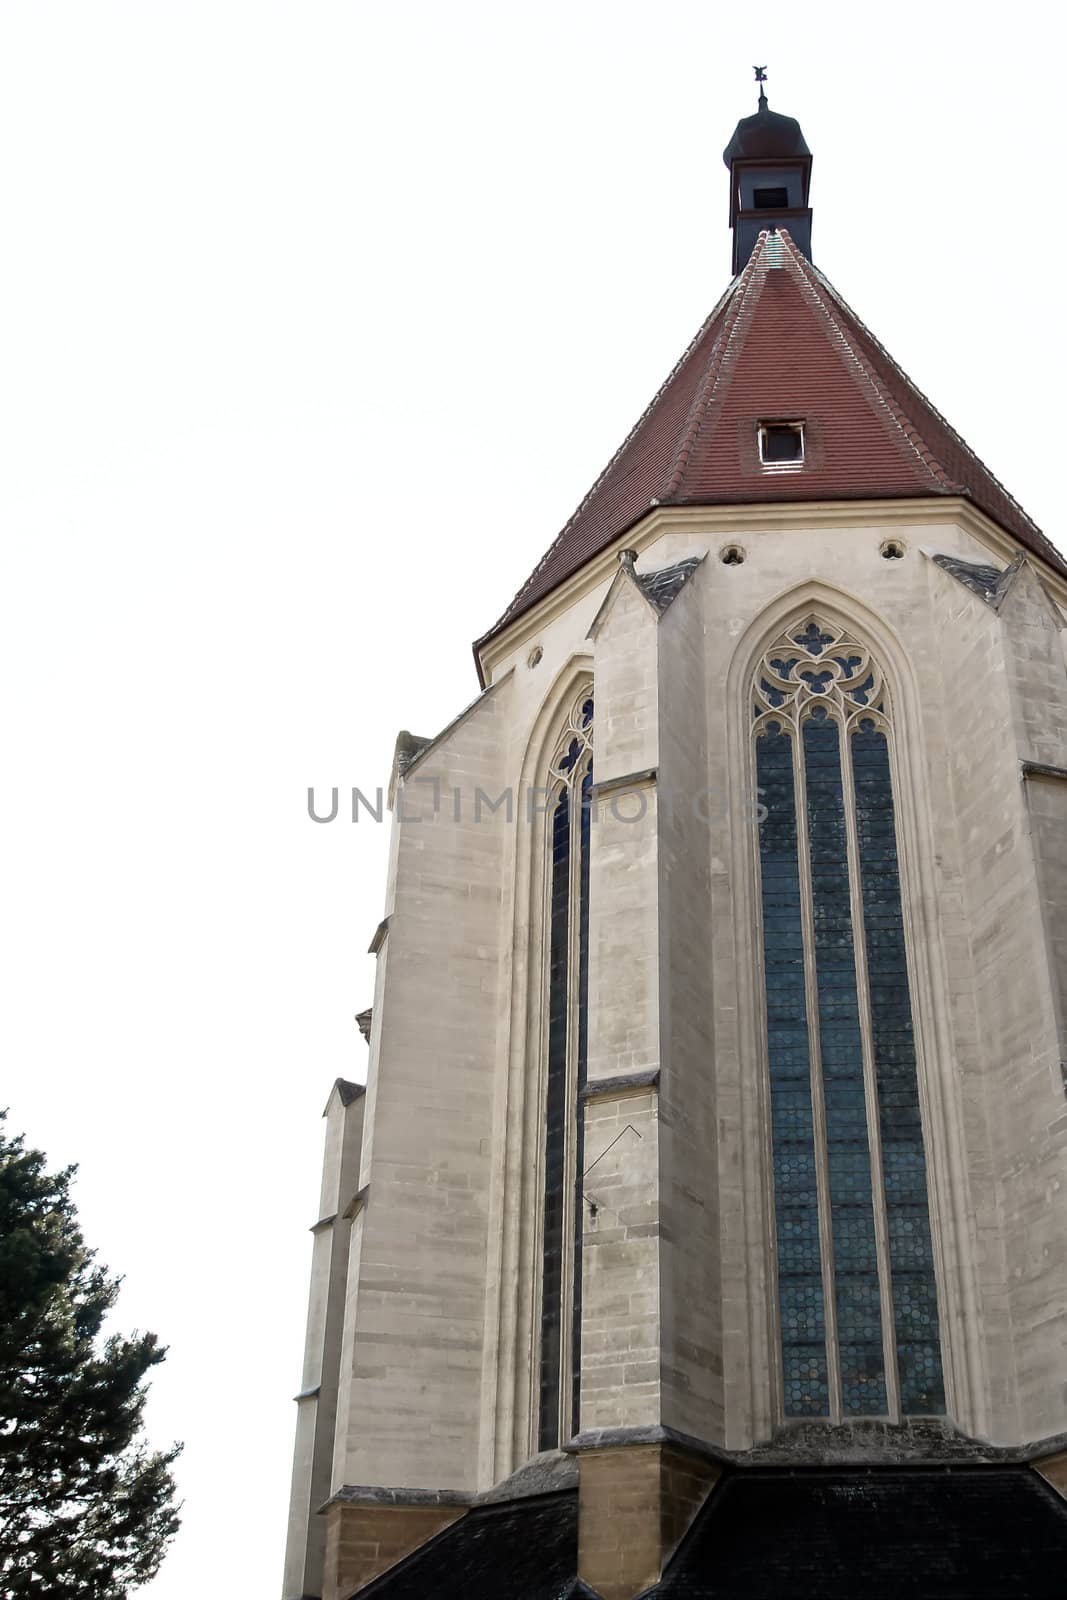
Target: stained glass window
{"x":568,"y":973}
{"x":857,"y":1299}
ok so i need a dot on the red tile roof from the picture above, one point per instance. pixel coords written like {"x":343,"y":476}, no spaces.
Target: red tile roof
{"x":781,"y":344}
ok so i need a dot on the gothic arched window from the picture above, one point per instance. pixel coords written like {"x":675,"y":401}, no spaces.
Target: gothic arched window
{"x":568,"y":970}
{"x":856,"y":1291}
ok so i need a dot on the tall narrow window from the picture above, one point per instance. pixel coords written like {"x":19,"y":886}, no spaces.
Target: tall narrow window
{"x":568,"y":971}
{"x":856,"y":1293}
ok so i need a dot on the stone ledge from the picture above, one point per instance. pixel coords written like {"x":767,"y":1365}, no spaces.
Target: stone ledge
{"x":551,"y":1472}
{"x":363,"y":1494}
{"x":919,"y":1441}
{"x":356,"y":1204}
{"x":814,"y":1444}
{"x":1041,"y":769}
{"x":653,"y":1434}
{"x":625,"y":1083}
{"x":629,"y":781}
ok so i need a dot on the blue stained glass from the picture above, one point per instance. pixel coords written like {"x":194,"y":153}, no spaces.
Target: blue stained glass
{"x":813,"y":639}
{"x":579,"y":1110}
{"x":574,"y":750}
{"x":798,"y":1241}
{"x":568,"y":915}
{"x":855,"y":1251}
{"x":804,"y":1368}
{"x":861,"y":1280}
{"x":802,"y":1312}
{"x":862,"y":1379}
{"x":555,"y":1123}
{"x":903,"y":1159}
{"x":804,"y":1378}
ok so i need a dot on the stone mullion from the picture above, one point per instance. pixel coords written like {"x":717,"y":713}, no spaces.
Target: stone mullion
{"x":870,"y":1082}
{"x":818,"y":1104}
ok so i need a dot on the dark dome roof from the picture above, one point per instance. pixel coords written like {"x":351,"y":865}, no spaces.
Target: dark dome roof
{"x":767,"y":136}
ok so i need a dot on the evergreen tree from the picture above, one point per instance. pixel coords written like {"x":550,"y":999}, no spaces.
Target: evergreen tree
{"x":86,"y":1509}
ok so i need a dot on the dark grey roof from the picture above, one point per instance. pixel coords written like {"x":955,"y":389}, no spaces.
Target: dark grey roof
{"x":949,"y":1533}
{"x":409,"y":747}
{"x":527,"y":1550}
{"x":985,"y":581}
{"x":663,"y":586}
{"x":548,"y":1473}
{"x":913,"y":1533}
{"x":349,"y":1091}
{"x":766,"y":136}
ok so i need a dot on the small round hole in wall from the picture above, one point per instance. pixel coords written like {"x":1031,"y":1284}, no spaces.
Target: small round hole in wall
{"x":731,"y":555}
{"x":892,"y":550}
{"x":535,"y":655}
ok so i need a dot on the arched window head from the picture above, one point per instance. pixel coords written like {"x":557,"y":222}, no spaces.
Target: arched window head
{"x":566,"y":988}
{"x":856,"y":1294}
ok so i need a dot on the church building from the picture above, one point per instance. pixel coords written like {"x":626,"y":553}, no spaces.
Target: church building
{"x":701,"y":1229}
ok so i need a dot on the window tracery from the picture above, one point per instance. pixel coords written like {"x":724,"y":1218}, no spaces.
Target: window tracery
{"x":571,"y":776}
{"x":856,"y":1292}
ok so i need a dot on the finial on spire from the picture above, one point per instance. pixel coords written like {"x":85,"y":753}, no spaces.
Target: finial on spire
{"x":770,"y":171}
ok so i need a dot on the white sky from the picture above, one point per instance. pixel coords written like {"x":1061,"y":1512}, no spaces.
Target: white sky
{"x":317,"y":320}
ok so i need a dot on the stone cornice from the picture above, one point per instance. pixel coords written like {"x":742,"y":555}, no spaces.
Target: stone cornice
{"x":921,"y":1442}
{"x":722,"y":521}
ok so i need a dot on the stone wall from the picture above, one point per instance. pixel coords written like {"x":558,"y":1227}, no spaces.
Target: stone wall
{"x":439,"y":1350}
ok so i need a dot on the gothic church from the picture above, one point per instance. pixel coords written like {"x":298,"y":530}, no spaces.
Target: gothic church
{"x":702,"y":1228}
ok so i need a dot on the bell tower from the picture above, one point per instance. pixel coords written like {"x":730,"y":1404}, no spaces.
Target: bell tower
{"x":770,"y":175}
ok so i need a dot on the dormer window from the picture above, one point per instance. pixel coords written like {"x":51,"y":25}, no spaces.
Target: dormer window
{"x":781,"y":444}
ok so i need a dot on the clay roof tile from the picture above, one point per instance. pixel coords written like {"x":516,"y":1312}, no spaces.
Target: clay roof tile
{"x":781,"y":343}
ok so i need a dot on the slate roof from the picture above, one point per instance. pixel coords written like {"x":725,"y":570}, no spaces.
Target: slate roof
{"x":913,"y":1533}
{"x":781,"y":344}
{"x":527,"y":1550}
{"x":988,"y":582}
{"x":949,"y":1533}
{"x":666,"y":583}
{"x":766,"y":136}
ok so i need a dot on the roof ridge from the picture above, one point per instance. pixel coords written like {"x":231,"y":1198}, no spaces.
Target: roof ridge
{"x":709,"y":383}
{"x":704,"y":328}
{"x":911,"y":385}
{"x":802,"y":271}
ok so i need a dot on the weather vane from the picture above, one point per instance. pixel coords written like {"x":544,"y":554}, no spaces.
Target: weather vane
{"x":761,"y":79}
